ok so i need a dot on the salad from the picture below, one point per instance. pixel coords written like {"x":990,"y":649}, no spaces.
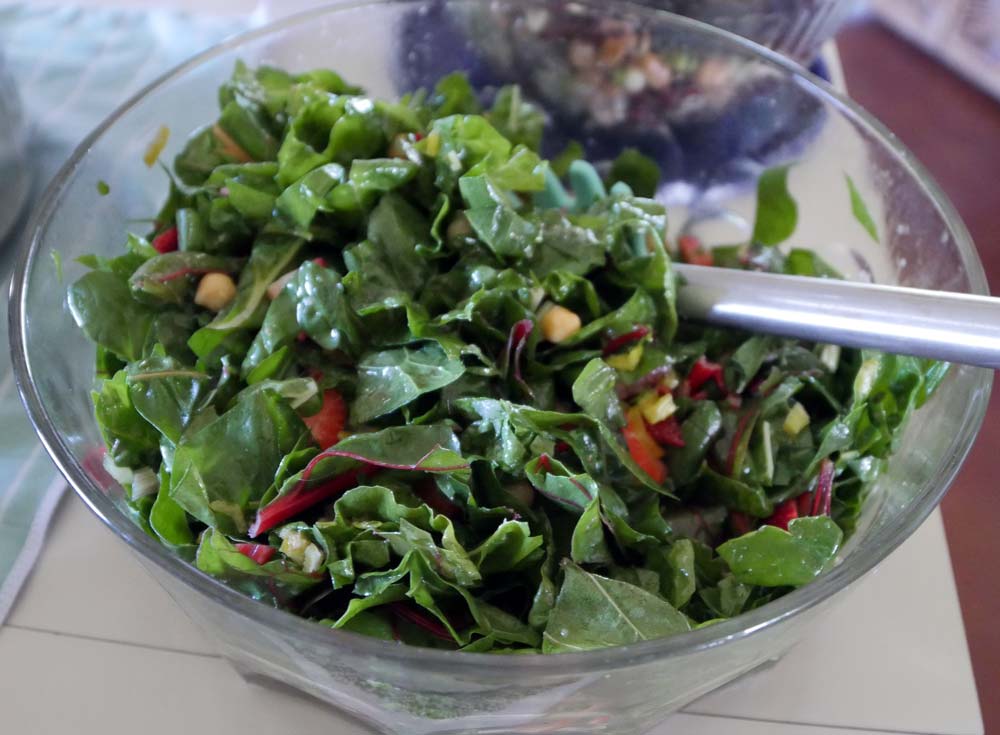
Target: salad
{"x":380,"y":365}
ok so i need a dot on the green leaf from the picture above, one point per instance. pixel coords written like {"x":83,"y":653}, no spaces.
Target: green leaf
{"x":511,"y":547}
{"x":414,"y":447}
{"x":588,"y":545}
{"x":493,"y":217}
{"x":641,"y":173}
{"x":171,"y":277}
{"x":746,"y":361}
{"x":453,"y":95}
{"x":807,"y":263}
{"x":714,"y":488}
{"x":771,"y":557}
{"x":131,"y":440}
{"x":103,"y":307}
{"x":676,"y":567}
{"x":561,"y":246}
{"x":777,"y":212}
{"x":639,"y":309}
{"x":388,"y":266}
{"x":269,"y":259}
{"x":369,"y":179}
{"x":167,"y":394}
{"x":462,"y":142}
{"x":305,"y":197}
{"x":321,"y":308}
{"x":572,"y":492}
{"x":594,"y":392}
{"x":860,"y":209}
{"x":224,"y":467}
{"x":515,"y":119}
{"x":390,"y":379}
{"x":168,"y":520}
{"x":276,"y":582}
{"x":594,"y":612}
{"x":699,"y":431}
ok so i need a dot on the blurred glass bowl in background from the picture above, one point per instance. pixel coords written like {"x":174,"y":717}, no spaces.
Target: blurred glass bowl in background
{"x":414,"y":691}
{"x":794,"y":28}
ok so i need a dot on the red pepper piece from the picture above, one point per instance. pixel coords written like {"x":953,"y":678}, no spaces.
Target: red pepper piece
{"x":260,"y":553}
{"x":633,"y":335}
{"x":693,"y":252}
{"x":703,"y":371}
{"x":784,"y":514}
{"x":667,"y":432}
{"x":166,"y":241}
{"x":327,"y":423}
{"x":643,"y":449}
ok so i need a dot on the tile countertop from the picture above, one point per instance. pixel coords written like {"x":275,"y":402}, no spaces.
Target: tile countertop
{"x":95,"y":634}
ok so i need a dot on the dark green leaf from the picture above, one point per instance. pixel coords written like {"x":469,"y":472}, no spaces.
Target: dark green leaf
{"x":771,"y":557}
{"x":224,"y":467}
{"x":390,"y":379}
{"x":594,"y":612}
{"x":103,"y":307}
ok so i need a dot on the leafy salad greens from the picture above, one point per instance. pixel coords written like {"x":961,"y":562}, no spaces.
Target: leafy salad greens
{"x":381,"y":366}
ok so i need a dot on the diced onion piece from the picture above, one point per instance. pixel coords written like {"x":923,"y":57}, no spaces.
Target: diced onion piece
{"x":671,"y":380}
{"x":312,"y":559}
{"x":144,"y":482}
{"x":796,"y":420}
{"x":293,"y":544}
{"x":626,"y":361}
{"x":656,"y":408}
{"x":829,"y":355}
{"x":122,"y":475}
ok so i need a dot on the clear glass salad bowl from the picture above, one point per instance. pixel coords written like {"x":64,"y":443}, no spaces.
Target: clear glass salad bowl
{"x":718,"y":129}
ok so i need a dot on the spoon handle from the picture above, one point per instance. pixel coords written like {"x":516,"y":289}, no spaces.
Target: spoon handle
{"x":955,"y":327}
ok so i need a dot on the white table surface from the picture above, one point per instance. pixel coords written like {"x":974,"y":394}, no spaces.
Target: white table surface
{"x":94,"y":645}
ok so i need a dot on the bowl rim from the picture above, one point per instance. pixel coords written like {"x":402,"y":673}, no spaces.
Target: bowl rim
{"x":309,"y":632}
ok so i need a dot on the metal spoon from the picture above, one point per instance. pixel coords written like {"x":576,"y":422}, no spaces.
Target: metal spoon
{"x":955,"y":327}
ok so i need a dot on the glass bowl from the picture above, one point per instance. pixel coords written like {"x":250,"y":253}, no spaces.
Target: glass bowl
{"x":409,"y":690}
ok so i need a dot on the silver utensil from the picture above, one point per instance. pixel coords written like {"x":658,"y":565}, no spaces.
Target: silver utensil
{"x":947,"y":326}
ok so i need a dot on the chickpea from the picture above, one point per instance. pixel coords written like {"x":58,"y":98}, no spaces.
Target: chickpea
{"x":215,"y":291}
{"x":559,"y":324}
